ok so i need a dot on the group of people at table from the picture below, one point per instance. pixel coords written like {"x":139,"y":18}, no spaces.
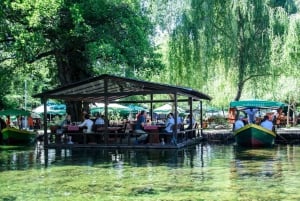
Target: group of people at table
{"x":266,"y":122}
{"x":165,"y":130}
{"x":139,"y":127}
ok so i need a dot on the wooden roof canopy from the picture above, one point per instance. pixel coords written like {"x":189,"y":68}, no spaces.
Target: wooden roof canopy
{"x":112,"y":88}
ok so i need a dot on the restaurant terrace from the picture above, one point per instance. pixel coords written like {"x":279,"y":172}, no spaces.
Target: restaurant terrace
{"x":109,"y":89}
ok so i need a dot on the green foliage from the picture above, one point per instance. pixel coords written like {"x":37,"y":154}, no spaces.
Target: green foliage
{"x":225,"y":46}
{"x":60,"y":42}
{"x":228,"y":49}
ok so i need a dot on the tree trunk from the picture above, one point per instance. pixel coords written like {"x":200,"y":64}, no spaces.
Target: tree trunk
{"x":72,"y":66}
{"x":239,"y":91}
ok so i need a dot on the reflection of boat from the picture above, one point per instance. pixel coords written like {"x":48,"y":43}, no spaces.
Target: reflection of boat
{"x":248,"y":154}
{"x":253,"y":135}
{"x":254,"y":162}
{"x":14,"y":136}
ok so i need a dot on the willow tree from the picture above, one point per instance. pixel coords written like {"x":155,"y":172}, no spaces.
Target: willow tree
{"x":229,"y":35}
{"x":77,"y":39}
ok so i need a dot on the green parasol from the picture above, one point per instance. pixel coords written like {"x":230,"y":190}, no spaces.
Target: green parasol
{"x":14,"y":112}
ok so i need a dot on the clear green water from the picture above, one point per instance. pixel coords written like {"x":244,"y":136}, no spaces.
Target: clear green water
{"x":203,"y":172}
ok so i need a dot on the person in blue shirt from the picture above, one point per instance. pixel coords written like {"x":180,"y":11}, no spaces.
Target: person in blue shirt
{"x":266,"y":123}
{"x":251,"y":115}
{"x":239,"y":123}
{"x":170,"y":123}
{"x":167,"y":132}
{"x":139,"y":127}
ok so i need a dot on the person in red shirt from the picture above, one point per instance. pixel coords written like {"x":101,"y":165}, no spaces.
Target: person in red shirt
{"x":30,"y":122}
{"x":7,"y":121}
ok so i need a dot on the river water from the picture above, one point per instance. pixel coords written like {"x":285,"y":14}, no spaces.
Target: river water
{"x":202,"y":172}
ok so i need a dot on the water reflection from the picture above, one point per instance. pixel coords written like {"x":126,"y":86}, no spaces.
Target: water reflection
{"x":12,"y":159}
{"x":135,"y":158}
{"x":205,"y":171}
{"x":37,"y":157}
{"x":255,"y":162}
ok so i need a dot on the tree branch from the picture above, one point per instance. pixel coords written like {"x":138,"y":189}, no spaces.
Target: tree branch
{"x":258,"y":75}
{"x":7,"y":58}
{"x":40,"y":56}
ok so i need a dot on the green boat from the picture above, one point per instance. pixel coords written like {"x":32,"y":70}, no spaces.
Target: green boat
{"x":253,"y":135}
{"x":14,"y":136}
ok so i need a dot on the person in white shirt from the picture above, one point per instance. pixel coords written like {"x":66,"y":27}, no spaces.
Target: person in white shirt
{"x":266,"y":123}
{"x":239,"y":123}
{"x":87,"y":123}
{"x":169,"y":123}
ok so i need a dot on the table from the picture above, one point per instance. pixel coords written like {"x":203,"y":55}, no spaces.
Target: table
{"x":153,"y":131}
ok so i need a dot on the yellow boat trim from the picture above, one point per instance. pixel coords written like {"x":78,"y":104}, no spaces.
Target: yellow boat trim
{"x":18,"y":130}
{"x":254,"y":126}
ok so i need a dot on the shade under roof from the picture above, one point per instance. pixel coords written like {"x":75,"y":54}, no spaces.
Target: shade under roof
{"x":97,"y":89}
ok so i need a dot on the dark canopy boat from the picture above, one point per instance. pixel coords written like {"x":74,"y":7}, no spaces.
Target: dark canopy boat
{"x":253,"y":135}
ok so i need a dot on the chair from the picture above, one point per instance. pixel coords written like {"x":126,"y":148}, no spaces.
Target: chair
{"x":180,"y":131}
{"x":99,"y":131}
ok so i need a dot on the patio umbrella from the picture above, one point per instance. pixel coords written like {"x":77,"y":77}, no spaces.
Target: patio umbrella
{"x":35,"y":115}
{"x":99,"y":107}
{"x":167,"y":108}
{"x":59,"y":109}
{"x":14,"y":112}
{"x":136,"y":108}
{"x":39,"y":109}
{"x":52,"y":110}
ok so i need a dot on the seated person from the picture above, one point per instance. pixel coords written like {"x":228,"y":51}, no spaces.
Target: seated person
{"x":169,"y":123}
{"x":190,"y":124}
{"x":139,"y":127}
{"x":239,"y":123}
{"x":179,"y":124}
{"x":168,"y":131}
{"x":66,"y":121}
{"x":266,"y":123}
{"x":87,"y":123}
{"x":99,"y":119}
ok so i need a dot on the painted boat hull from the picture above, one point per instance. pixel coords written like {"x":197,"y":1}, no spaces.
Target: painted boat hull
{"x":13,"y":136}
{"x":253,"y":135}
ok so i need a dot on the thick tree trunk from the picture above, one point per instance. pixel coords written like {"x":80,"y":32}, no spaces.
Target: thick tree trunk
{"x":72,"y":67}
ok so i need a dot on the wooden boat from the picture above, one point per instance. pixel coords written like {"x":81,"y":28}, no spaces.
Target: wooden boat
{"x":253,"y":135}
{"x":14,"y":136}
